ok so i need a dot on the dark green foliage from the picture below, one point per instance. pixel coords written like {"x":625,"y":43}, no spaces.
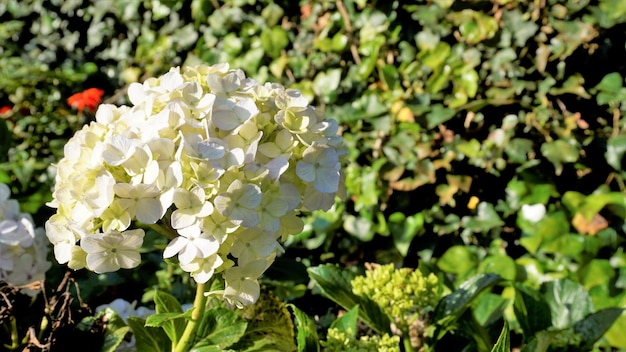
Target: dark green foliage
{"x":485,"y":137}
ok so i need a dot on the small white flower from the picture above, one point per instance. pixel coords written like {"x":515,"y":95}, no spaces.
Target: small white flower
{"x":119,"y":149}
{"x":320,"y":165}
{"x":141,"y":200}
{"x":533,"y":213}
{"x":190,"y":205}
{"x":253,"y":244}
{"x":110,"y":251}
{"x":191,"y":244}
{"x":242,"y":285}
{"x":202,"y":269}
{"x":239,"y":203}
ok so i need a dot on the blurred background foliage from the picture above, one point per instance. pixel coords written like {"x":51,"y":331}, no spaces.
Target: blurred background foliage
{"x":457,"y":114}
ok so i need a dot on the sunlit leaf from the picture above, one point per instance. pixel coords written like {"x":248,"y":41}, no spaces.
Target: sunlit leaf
{"x":454,"y":304}
{"x":306,"y":336}
{"x":568,"y":301}
{"x":503,"y":344}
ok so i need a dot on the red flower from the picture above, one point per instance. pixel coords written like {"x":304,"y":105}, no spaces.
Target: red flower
{"x":89,"y":99}
{"x":5,"y":109}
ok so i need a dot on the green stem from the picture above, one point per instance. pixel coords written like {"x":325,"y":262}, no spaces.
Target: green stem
{"x":162,"y":230}
{"x":14,"y":335}
{"x":189,"y":335}
{"x":406,"y":341}
{"x":42,"y":327}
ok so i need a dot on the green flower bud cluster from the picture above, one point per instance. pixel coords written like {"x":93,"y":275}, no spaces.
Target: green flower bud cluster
{"x":339,"y":341}
{"x":405,"y":295}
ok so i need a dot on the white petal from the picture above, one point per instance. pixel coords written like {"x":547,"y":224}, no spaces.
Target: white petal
{"x":136,"y":93}
{"x":175,"y":246}
{"x":182,"y":218}
{"x":305,"y":171}
{"x":92,"y":243}
{"x":251,"y":196}
{"x":327,"y":180}
{"x":101,"y":263}
{"x":118,"y":150}
{"x":132,"y":239}
{"x":207,"y":246}
{"x":277,"y":167}
{"x":63,"y":252}
{"x":149,"y":210}
{"x":212,"y":148}
{"x":128,"y":259}
{"x":188,"y":254}
{"x":245,"y":217}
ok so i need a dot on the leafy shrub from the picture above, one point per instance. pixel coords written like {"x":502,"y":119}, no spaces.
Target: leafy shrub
{"x":484,"y":137}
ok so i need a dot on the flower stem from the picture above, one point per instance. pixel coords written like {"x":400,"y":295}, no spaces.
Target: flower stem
{"x":189,"y":335}
{"x":161,"y":230}
{"x":406,"y":341}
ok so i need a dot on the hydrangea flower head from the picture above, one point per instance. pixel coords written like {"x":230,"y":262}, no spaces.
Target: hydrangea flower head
{"x":23,"y":248}
{"x":405,"y":295}
{"x":224,"y":163}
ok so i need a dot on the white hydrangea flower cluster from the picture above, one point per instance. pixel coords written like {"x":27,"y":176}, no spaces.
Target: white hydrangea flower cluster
{"x":23,"y":248}
{"x":224,"y":162}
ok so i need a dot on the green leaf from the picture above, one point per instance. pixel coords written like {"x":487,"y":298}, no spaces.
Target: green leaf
{"x":470,"y":149}
{"x":610,"y":83}
{"x":531,"y":310}
{"x":568,"y":301}
{"x":405,"y":230}
{"x":518,"y":150}
{"x":360,"y":227}
{"x":347,"y":322}
{"x":335,"y":284}
{"x":306,"y":331}
{"x":115,"y":328}
{"x":272,"y":14}
{"x":339,"y":42}
{"x":147,"y":338}
{"x":615,"y":149}
{"x":615,"y":334}
{"x":598,"y":272}
{"x":593,"y":326}
{"x":542,"y":341}
{"x":453,"y":305}
{"x":389,"y":76}
{"x":169,"y":315}
{"x":560,"y":152}
{"x":436,"y":56}
{"x":486,"y":218}
{"x":438,"y":115}
{"x":500,"y":264}
{"x":489,"y":308}
{"x":160,"y":319}
{"x":221,"y":327}
{"x":113,"y":338}
{"x":5,"y":141}
{"x":504,"y":340}
{"x":166,"y":303}
{"x":274,"y":40}
{"x":325,"y":84}
{"x":270,"y":326}
{"x":458,"y":260}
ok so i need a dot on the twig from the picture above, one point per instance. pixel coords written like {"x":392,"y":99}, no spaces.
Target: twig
{"x":348,"y":24}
